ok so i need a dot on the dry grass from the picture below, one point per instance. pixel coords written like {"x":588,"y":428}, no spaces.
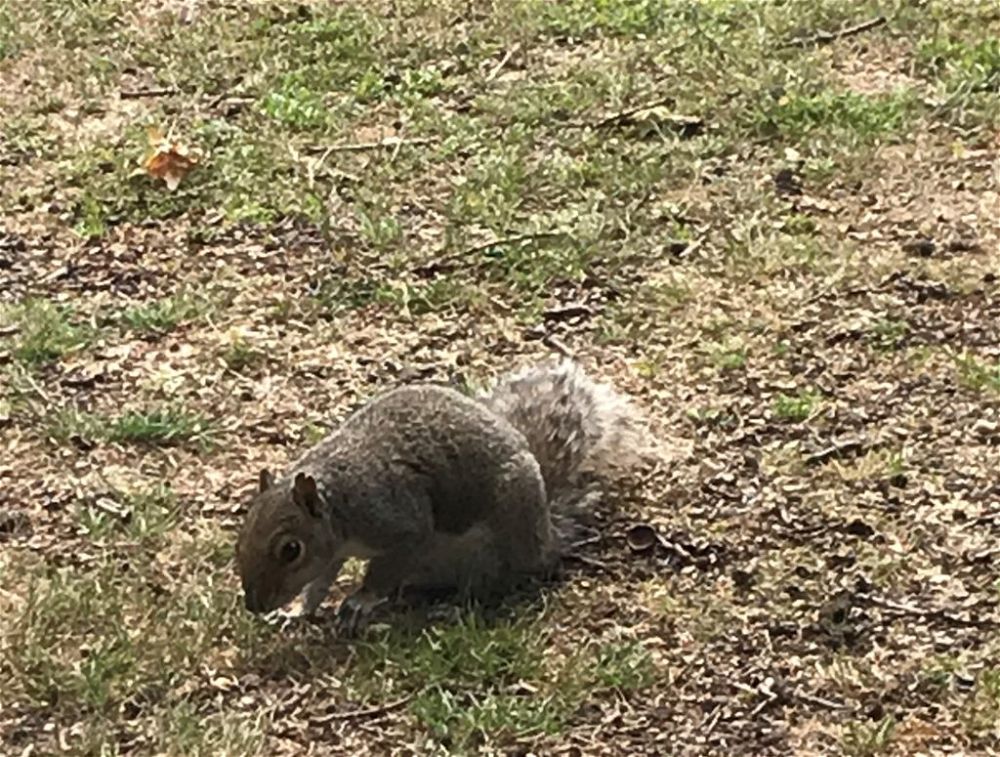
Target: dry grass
{"x":787,"y":254}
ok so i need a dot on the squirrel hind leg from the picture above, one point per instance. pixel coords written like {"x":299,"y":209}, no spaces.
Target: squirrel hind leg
{"x":465,"y":564}
{"x":521,"y":522}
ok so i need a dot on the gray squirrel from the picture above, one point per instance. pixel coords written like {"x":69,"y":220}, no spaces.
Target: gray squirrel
{"x":438,"y":490}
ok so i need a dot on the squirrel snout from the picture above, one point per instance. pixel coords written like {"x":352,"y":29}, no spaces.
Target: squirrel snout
{"x":250,"y":600}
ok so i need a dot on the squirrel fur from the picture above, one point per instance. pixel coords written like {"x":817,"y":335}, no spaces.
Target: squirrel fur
{"x":438,"y":490}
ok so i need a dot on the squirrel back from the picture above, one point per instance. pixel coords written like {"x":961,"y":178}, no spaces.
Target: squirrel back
{"x":575,"y":427}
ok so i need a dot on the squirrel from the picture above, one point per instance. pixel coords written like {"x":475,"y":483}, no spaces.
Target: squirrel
{"x":438,"y":490}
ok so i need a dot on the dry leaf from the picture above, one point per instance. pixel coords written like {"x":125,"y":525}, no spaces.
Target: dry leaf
{"x":168,"y":160}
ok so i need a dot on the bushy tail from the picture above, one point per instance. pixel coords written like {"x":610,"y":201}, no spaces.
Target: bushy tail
{"x":576,"y":428}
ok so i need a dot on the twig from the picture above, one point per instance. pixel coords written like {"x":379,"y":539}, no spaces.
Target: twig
{"x":982,"y":520}
{"x":388,"y":142}
{"x":109,"y":507}
{"x":811,"y":699}
{"x":505,"y":241}
{"x":712,"y":720}
{"x":825,"y":38}
{"x":503,"y":62}
{"x":591,"y":561}
{"x":837,"y":451}
{"x":588,"y":541}
{"x":440,"y":263}
{"x":768,"y":700}
{"x":624,"y":115}
{"x":315,"y":165}
{"x":38,"y":389}
{"x":919,"y":612}
{"x":555,"y":343}
{"x":363,"y":713}
{"x":567,"y":312}
{"x":136,"y":94}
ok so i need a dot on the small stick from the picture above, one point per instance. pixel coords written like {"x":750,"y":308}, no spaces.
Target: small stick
{"x":623,"y":115}
{"x":770,"y":698}
{"x":590,"y":561}
{"x":38,"y":389}
{"x":504,"y":241}
{"x":712,"y":720}
{"x":362,"y":713}
{"x":586,"y":542}
{"x":818,"y":700}
{"x":503,"y":62}
{"x":393,"y":142}
{"x":825,"y":38}
{"x":555,"y":343}
{"x":983,"y":520}
{"x":836,"y":452}
{"x":444,"y":259}
{"x":136,"y":94}
{"x":926,"y":614}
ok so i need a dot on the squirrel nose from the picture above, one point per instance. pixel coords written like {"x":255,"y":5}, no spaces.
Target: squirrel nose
{"x":250,"y":601}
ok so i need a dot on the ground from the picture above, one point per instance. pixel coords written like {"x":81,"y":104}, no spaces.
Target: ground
{"x":774,"y":224}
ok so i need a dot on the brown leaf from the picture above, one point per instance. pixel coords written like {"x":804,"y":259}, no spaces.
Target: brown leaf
{"x":168,"y":160}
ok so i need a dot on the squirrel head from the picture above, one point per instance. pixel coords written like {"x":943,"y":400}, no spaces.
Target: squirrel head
{"x":286,"y":542}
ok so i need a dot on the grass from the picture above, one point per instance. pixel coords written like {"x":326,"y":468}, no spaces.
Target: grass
{"x":729,"y":359}
{"x":983,"y":707}
{"x":141,"y":517}
{"x":795,"y":407}
{"x":844,"y":115}
{"x":92,"y":640}
{"x":163,"y":427}
{"x":241,"y":355}
{"x":468,"y":678}
{"x":964,"y":64}
{"x":163,"y":315}
{"x":44,"y":331}
{"x":716,"y":202}
{"x":980,"y":375}
{"x":888,"y":334}
{"x":865,"y":740}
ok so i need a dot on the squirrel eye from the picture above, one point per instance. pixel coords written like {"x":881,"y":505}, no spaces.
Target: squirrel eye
{"x":290,"y":551}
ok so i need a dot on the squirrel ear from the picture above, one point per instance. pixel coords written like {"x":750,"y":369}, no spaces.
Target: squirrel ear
{"x":266,"y":480}
{"x":305,"y":495}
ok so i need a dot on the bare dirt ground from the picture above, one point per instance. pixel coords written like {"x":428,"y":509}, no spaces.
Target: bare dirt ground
{"x":776,"y":225}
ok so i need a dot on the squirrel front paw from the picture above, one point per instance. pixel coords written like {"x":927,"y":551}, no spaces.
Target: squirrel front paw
{"x":354,"y":613}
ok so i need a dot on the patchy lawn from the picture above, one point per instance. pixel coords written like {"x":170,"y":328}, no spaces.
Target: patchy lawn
{"x":775,"y":224}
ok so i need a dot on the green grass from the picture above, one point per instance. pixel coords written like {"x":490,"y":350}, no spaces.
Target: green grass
{"x":980,"y":375}
{"x":969,"y":65}
{"x":164,"y":427}
{"x":982,"y":711}
{"x":242,"y":355}
{"x":795,"y":407}
{"x":44,"y":331}
{"x":868,"y":739}
{"x":729,"y":359}
{"x":541,"y":165}
{"x":163,"y":315}
{"x":294,"y":104}
{"x":140,"y":517}
{"x":848,"y":115}
{"x":9,"y":33}
{"x":466,"y":677}
{"x":95,"y":638}
{"x":888,"y":334}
